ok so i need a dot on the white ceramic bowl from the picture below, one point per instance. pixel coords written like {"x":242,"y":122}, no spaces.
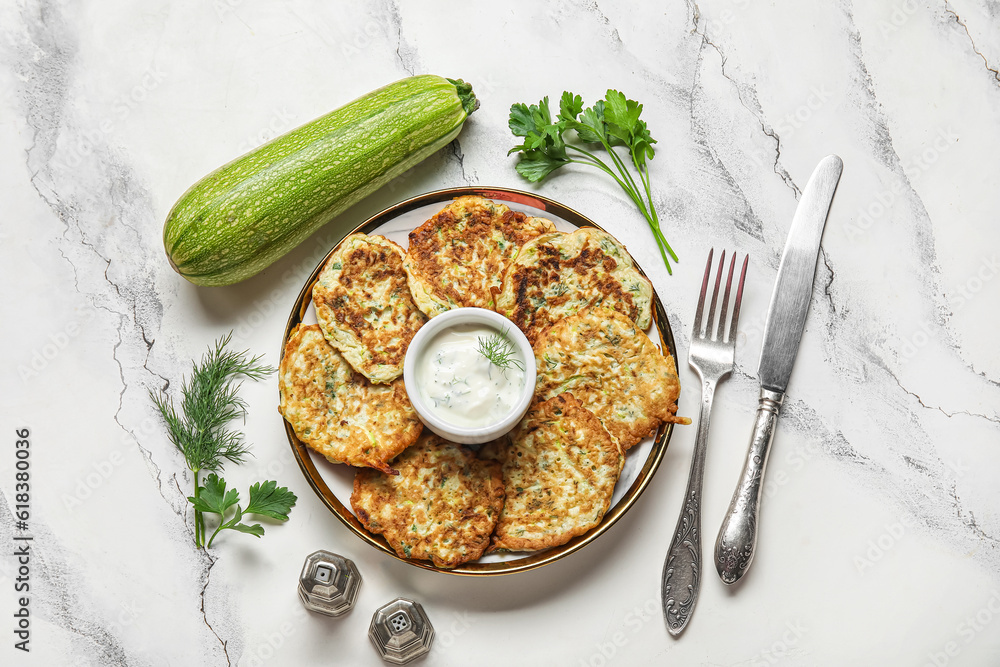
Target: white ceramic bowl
{"x":455,"y":432}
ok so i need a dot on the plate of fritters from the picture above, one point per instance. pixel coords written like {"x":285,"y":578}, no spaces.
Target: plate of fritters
{"x":605,"y":395}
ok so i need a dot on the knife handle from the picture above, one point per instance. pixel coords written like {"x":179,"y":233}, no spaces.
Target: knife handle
{"x":734,"y":549}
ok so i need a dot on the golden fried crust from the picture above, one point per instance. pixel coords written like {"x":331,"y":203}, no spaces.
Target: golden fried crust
{"x":560,"y":469}
{"x":336,"y":411}
{"x":457,"y":258}
{"x":558,"y":274}
{"x":364,"y":306}
{"x":442,"y":507}
{"x":613,"y":368}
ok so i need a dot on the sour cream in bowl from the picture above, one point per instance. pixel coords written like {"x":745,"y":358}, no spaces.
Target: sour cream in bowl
{"x":470,"y":375}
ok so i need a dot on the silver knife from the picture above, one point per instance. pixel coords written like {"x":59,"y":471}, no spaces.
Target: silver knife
{"x":786,"y":319}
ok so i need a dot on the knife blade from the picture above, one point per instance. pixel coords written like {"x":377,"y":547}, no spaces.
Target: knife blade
{"x":786,"y":320}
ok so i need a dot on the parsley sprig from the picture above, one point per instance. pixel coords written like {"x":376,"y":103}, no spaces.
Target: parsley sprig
{"x":266,"y":499}
{"x":499,"y":350}
{"x":209,"y":402}
{"x":613,"y":121}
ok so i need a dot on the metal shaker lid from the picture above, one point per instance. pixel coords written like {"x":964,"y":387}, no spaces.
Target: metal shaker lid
{"x":329,"y":583}
{"x":401,"y":631}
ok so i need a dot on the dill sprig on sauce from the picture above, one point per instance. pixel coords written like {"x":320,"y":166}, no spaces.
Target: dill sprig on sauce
{"x":500,"y":351}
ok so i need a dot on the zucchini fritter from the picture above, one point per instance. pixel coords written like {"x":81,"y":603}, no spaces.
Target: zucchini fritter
{"x":556,"y":275}
{"x":613,"y":369}
{"x":560,"y":469}
{"x":442,"y":507}
{"x":457,"y":258}
{"x":336,"y":411}
{"x":364,"y":306}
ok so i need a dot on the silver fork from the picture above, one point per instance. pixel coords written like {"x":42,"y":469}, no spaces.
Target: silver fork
{"x":712,"y":358}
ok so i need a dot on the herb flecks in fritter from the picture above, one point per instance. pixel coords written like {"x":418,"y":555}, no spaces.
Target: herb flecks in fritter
{"x":364,"y":306}
{"x":560,"y":468}
{"x":613,"y":368}
{"x":557,"y":275}
{"x":442,"y":506}
{"x":336,"y":411}
{"x":458,"y":257}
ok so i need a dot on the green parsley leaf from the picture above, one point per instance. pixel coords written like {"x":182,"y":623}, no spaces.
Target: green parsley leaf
{"x":267,"y":499}
{"x":537,"y":166}
{"x":616,"y":109}
{"x":213,"y":497}
{"x":570,"y":106}
{"x":592,"y":129}
{"x":255,"y":529}
{"x":521,"y":123}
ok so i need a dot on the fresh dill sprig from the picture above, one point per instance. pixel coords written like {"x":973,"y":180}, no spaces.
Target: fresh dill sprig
{"x":500,"y":351}
{"x":209,"y":402}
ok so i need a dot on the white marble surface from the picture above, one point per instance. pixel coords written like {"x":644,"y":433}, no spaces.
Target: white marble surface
{"x":879,"y":540}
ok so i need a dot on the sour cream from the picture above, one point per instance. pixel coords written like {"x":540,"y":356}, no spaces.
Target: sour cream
{"x":460,"y":385}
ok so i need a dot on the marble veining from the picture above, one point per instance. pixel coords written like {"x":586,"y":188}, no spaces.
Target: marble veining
{"x":884,"y":466}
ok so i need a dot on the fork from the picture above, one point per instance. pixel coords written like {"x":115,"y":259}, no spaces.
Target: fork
{"x":712,"y":358}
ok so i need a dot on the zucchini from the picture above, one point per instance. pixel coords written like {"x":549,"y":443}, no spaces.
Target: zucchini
{"x":245,"y":215}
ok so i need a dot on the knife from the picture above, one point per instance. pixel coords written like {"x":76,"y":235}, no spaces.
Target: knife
{"x":786,"y":319}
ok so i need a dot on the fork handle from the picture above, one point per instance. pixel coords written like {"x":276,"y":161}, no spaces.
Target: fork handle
{"x":681,"y":579}
{"x":737,"y":542}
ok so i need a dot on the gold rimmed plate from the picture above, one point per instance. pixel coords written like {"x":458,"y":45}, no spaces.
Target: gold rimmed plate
{"x":333,"y":482}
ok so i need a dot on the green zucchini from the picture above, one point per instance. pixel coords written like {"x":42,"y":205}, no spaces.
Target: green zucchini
{"x":245,"y":215}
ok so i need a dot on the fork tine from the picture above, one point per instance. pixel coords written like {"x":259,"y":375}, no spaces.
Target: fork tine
{"x":715,"y":296}
{"x":701,"y":298}
{"x":739,"y":299}
{"x":725,"y":303}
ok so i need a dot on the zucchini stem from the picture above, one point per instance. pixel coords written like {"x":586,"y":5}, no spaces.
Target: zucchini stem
{"x":469,"y":101}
